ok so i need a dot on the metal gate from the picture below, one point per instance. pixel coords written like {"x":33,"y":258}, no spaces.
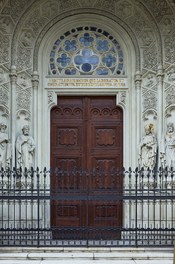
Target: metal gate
{"x":147,"y":200}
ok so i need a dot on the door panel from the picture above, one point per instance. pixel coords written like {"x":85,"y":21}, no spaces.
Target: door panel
{"x":86,"y":135}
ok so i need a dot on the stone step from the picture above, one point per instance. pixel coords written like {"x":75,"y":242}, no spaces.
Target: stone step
{"x":91,"y":254}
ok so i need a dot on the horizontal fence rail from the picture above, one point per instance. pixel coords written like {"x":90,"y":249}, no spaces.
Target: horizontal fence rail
{"x":87,"y":208}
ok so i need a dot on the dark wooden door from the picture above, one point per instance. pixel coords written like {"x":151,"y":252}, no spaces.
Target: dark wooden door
{"x":87,"y":149}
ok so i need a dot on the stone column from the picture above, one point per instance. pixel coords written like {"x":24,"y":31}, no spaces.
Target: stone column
{"x":138,"y":81}
{"x":35,"y":84}
{"x":13,"y":77}
{"x":160,"y":109}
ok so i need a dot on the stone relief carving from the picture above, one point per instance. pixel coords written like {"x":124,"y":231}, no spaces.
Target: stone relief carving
{"x":38,"y":18}
{"x":35,"y":21}
{"x":5,"y":48}
{"x":49,"y":8}
{"x":69,"y":4}
{"x":27,"y":37}
{"x":149,"y":101}
{"x":107,"y":5}
{"x":90,"y":3}
{"x":149,"y":114}
{"x":147,"y":37}
{"x":169,"y":47}
{"x":167,"y":149}
{"x":16,"y":10}
{"x":148,"y":148}
{"x":139,"y":21}
{"x":150,"y":58}
{"x":24,"y":58}
{"x":171,"y":75}
{"x":6,"y":25}
{"x":23,"y":114}
{"x":2,"y":2}
{"x":124,"y":8}
{"x":158,"y":8}
{"x":167,"y":25}
{"x":23,"y":80}
{"x":121,"y":98}
{"x":25,"y":148}
{"x":149,"y":80}
{"x":2,"y":76}
{"x":5,"y":147}
{"x":23,"y":99}
{"x":4,"y":96}
{"x":170,"y":96}
{"x":50,"y":97}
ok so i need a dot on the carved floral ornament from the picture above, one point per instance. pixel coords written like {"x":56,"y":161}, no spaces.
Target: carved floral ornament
{"x":38,"y":18}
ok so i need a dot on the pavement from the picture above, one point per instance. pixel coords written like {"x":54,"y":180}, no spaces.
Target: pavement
{"x":86,"y":256}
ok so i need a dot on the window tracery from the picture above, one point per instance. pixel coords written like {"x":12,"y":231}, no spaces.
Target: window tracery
{"x":86,"y":51}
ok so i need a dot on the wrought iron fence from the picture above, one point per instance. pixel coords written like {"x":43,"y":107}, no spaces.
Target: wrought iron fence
{"x":87,"y":208}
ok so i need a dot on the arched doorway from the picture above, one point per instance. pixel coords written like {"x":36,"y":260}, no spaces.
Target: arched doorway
{"x":87,"y":150}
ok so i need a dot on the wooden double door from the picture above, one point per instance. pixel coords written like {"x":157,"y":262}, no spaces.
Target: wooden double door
{"x":87,"y":150}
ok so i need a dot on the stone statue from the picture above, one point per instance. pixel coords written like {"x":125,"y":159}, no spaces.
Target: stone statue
{"x":167,"y":150}
{"x":5,"y":147}
{"x":25,"y":148}
{"x":148,"y":148}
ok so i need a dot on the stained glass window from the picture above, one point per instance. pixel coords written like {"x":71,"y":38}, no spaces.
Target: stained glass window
{"x":86,"y":51}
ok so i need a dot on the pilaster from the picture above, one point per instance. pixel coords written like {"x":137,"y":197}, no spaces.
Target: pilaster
{"x":13,"y":78}
{"x":138,"y":109}
{"x":35,"y":85}
{"x":161,"y":112}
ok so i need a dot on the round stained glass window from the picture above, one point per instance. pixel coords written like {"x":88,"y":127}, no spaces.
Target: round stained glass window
{"x":86,"y":51}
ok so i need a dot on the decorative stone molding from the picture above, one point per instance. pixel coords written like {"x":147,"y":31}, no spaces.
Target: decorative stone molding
{"x":5,"y":48}
{"x":150,"y":56}
{"x":169,"y":47}
{"x":160,"y":74}
{"x":132,"y":15}
{"x":148,"y":113}
{"x":149,"y":80}
{"x":149,"y":91}
{"x":23,"y":98}
{"x":23,"y":80}
{"x":24,"y":58}
{"x":27,"y":37}
{"x":138,"y":80}
{"x":35,"y":80}
{"x":167,"y":25}
{"x":150,"y":101}
{"x":170,"y":75}
{"x":121,"y":99}
{"x":4,"y":111}
{"x":169,"y":110}
{"x":170,"y":96}
{"x":13,"y":74}
{"x":50,"y":97}
{"x":23,"y":112}
{"x":4,"y":96}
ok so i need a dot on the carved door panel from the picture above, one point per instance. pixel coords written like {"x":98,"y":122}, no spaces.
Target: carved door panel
{"x":86,"y":134}
{"x":105,"y":154}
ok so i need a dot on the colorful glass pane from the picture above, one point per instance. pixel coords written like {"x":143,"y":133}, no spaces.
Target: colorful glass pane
{"x":86,"y":50}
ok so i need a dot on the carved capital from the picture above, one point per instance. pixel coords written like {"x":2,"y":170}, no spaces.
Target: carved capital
{"x":35,"y":80}
{"x":138,"y":80}
{"x":13,"y":75}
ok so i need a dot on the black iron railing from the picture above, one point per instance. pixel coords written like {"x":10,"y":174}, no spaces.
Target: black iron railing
{"x":87,"y":208}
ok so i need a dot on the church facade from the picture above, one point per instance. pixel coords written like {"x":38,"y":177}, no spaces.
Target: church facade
{"x":53,"y":49}
{"x":87,"y":84}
